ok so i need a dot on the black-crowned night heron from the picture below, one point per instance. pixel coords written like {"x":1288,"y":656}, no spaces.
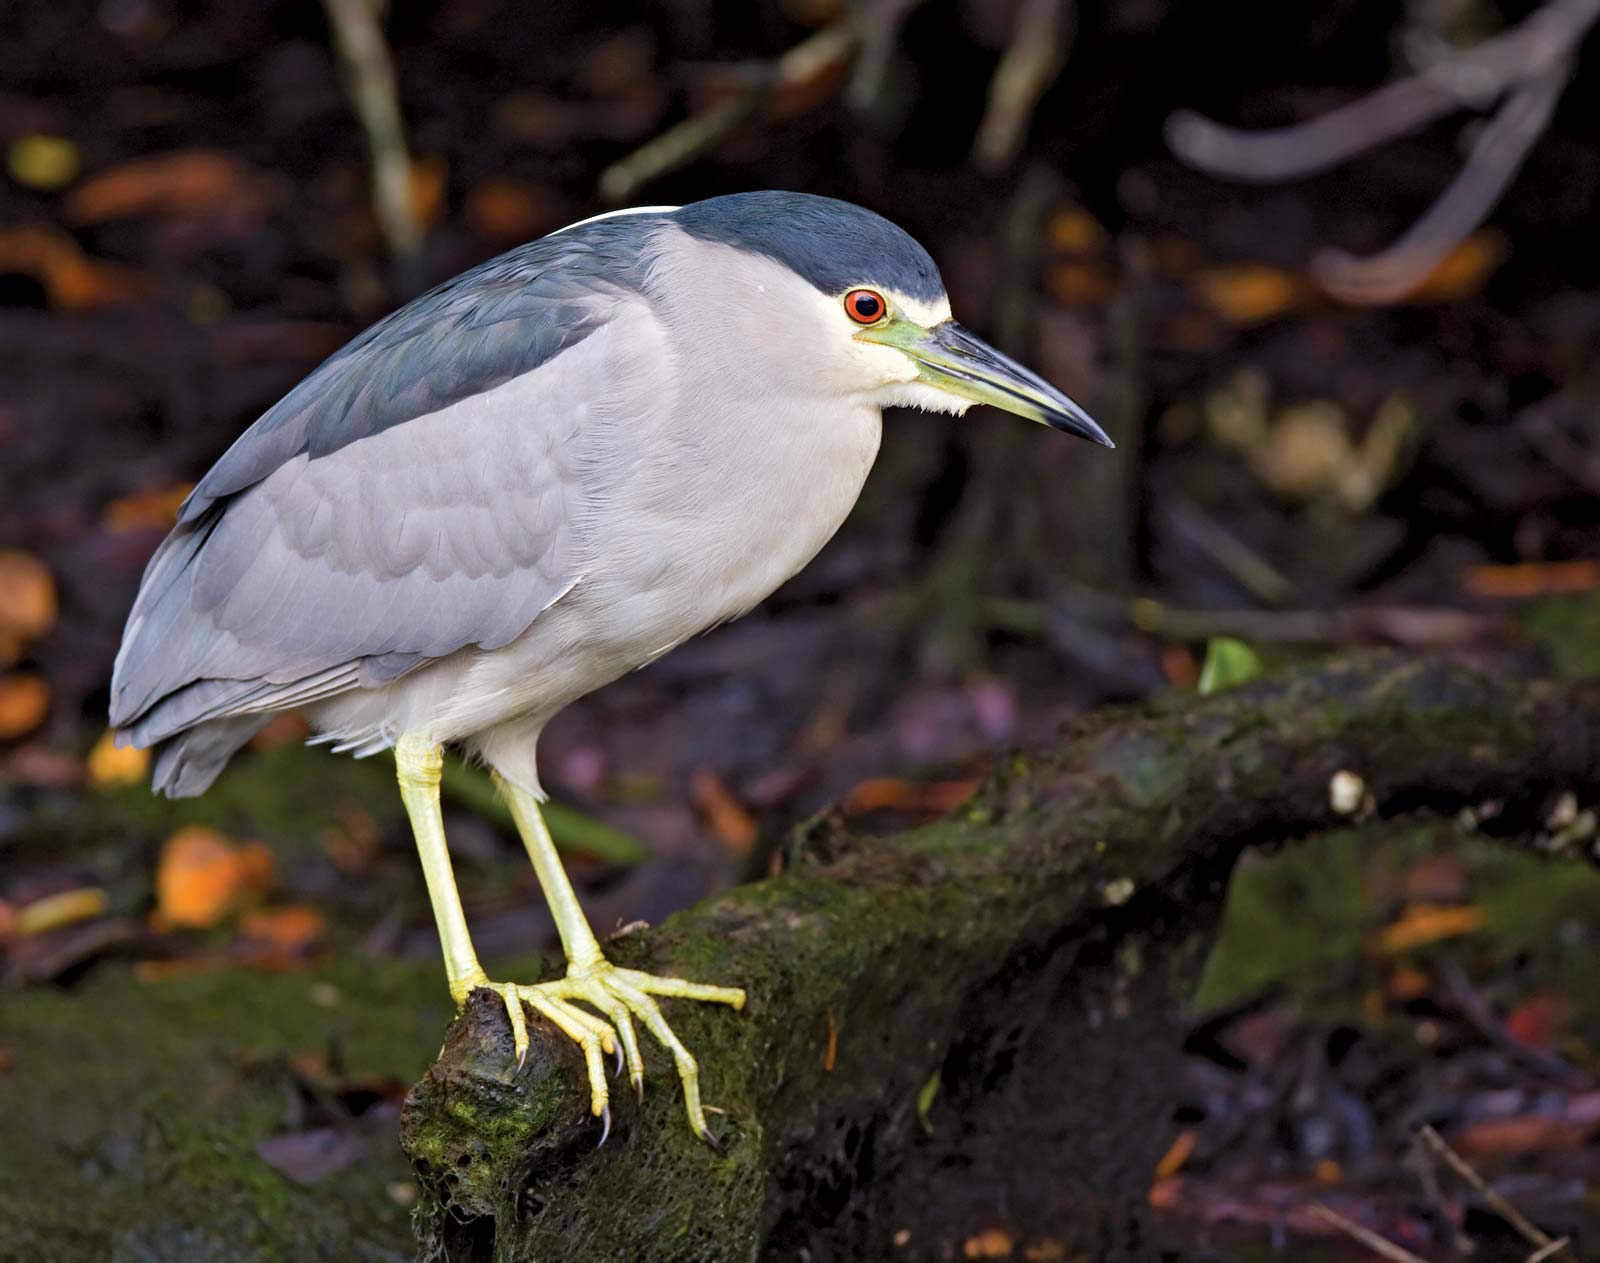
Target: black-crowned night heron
{"x":543,"y":474}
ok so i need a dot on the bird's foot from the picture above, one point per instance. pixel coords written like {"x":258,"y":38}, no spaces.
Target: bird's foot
{"x":622,"y":995}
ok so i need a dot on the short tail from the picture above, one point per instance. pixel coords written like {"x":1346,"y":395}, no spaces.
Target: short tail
{"x":186,"y":764}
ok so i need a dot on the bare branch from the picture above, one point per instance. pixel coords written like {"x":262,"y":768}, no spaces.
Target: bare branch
{"x":1474,"y":79}
{"x":1529,"y":65}
{"x":1495,"y":159}
{"x":370,"y":81}
{"x":1378,"y":1245}
{"x":1530,"y":1232}
{"x":682,"y":144}
{"x":1038,"y":49}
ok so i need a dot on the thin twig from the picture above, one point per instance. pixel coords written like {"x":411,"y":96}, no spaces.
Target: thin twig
{"x":1368,"y":1238}
{"x":683,"y":143}
{"x":1531,"y":1232}
{"x":1529,"y":65}
{"x":1428,"y":1176}
{"x":1473,"y":79}
{"x":1548,"y":1251}
{"x":370,"y":81}
{"x":881,"y":24}
{"x":1495,"y":159}
{"x":1032,"y":60}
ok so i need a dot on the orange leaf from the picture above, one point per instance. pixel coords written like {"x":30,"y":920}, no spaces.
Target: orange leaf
{"x":1250,"y":293}
{"x":156,"y":509}
{"x":727,"y":817}
{"x":24,"y":702}
{"x":56,"y":261}
{"x":185,"y":180}
{"x":428,"y":180}
{"x":111,"y":764}
{"x":295,"y":927}
{"x":503,"y":209}
{"x":27,"y":596}
{"x":1176,"y":1155}
{"x":202,"y":877}
{"x":1424,"y":923}
{"x":891,"y":793}
{"x":1075,"y":231}
{"x":1538,"y":578}
{"x":990,"y":1243}
{"x":1463,"y":271}
{"x":281,"y":939}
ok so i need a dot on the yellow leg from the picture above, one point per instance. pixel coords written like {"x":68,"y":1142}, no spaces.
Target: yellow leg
{"x":418,"y":762}
{"x":621,"y":994}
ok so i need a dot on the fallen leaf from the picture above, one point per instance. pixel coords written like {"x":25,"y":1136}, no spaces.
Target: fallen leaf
{"x":6,"y":1059}
{"x":1463,"y":271}
{"x":24,"y":702}
{"x":28,"y":602}
{"x":892,"y":793}
{"x":1080,"y":284}
{"x":293,"y":925}
{"x":45,"y":163}
{"x":1176,"y":1155}
{"x":1536,"y":1022}
{"x":1228,"y":664}
{"x":202,"y":877}
{"x":157,"y":510}
{"x":1406,"y":983}
{"x":1423,"y":923}
{"x":989,"y":1243}
{"x":110,"y":764}
{"x":502,"y":209}
{"x":66,"y":907}
{"x":73,"y":281}
{"x":1075,"y":231}
{"x":830,"y":1052}
{"x":1538,"y":578}
{"x":1250,"y":293}
{"x":181,"y":181}
{"x":1526,"y":1135}
{"x":429,"y":179}
{"x":727,"y":817}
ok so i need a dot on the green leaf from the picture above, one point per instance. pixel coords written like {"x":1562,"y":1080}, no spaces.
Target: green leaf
{"x":1229,"y":663}
{"x":925,"y":1096}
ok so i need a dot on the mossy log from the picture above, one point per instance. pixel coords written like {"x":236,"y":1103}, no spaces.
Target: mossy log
{"x":976,"y":1022}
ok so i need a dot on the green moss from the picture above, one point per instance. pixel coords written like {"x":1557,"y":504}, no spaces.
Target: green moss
{"x":1568,"y":629}
{"x":129,"y":1122}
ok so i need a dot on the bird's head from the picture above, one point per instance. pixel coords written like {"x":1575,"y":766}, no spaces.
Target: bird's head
{"x":852,"y":302}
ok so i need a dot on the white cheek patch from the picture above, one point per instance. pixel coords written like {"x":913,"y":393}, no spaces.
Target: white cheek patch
{"x":926,"y":314}
{"x":921,"y":396}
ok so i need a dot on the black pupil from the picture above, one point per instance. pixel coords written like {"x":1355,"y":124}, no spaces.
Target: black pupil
{"x":868,"y":306}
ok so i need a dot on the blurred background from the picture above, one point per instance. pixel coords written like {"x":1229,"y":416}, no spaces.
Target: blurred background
{"x":1351,"y":368}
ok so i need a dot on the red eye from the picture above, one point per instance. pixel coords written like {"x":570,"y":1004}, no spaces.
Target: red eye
{"x":865,"y":306}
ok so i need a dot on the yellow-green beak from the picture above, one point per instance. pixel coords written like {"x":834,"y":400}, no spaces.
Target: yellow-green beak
{"x":956,"y":361}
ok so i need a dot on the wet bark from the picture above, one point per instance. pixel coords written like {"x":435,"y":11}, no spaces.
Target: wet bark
{"x":978,"y":1022}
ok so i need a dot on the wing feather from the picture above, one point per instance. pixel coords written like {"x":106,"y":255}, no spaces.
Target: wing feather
{"x":347,"y":569}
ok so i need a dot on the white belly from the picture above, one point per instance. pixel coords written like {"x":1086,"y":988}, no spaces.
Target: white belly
{"x":680,"y":535}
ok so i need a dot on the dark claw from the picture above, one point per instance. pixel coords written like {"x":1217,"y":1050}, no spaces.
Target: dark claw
{"x":605,"y":1115}
{"x":617,"y":1069}
{"x":522,"y":1060}
{"x":712,"y":1143}
{"x":638,"y":1088}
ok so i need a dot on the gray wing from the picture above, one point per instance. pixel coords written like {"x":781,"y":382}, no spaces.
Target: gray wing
{"x":416,"y":495}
